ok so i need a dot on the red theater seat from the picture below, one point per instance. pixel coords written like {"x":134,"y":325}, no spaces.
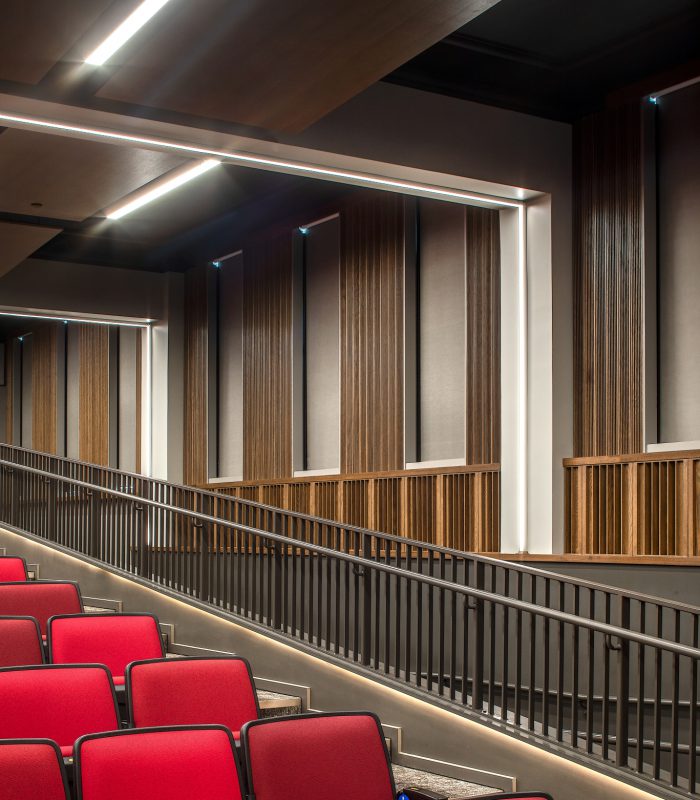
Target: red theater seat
{"x":20,"y":642}
{"x":40,"y":599}
{"x":111,"y":639}
{"x":197,"y":763}
{"x":59,"y":703}
{"x":191,"y":691}
{"x":12,"y":568}
{"x":317,"y":756}
{"x":31,"y":769}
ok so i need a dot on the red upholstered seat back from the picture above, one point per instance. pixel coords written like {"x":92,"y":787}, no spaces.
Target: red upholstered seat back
{"x":57,"y":703}
{"x":317,"y":757}
{"x":40,"y":599}
{"x":111,"y":639}
{"x":196,"y":691}
{"x":31,"y":770}
{"x":20,"y":642}
{"x":12,"y":568}
{"x":178,"y":764}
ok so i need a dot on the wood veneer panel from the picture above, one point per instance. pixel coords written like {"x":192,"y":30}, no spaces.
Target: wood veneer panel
{"x":608,"y":284}
{"x":94,"y":394}
{"x":371,"y":334}
{"x":9,"y":392}
{"x":44,"y":385}
{"x":483,"y":320}
{"x":267,"y":359}
{"x":301,"y":59}
{"x":195,"y":464}
{"x":634,"y":508}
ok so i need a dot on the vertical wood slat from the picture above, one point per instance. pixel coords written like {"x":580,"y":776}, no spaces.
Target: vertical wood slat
{"x":636,"y":505}
{"x":483,"y":336}
{"x":44,"y":383}
{"x":267,"y":387}
{"x":94,"y":394}
{"x":608,"y":284}
{"x":371,"y":340}
{"x":9,"y":393}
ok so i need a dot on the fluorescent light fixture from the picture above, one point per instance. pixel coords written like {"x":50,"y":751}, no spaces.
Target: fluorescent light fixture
{"x":121,"y":35}
{"x":161,"y":189}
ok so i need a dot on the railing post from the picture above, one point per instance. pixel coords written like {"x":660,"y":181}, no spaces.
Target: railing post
{"x":367,"y":601}
{"x":205,"y":552}
{"x":51,"y":509}
{"x":94,"y":517}
{"x":623,"y":684}
{"x":14,"y":496}
{"x":477,"y":640}
{"x":142,"y":556}
{"x":277,"y":527}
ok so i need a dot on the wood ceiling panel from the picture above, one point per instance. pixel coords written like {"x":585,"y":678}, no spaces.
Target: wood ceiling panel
{"x":277,"y":65}
{"x":35,"y":34}
{"x":72,"y":178}
{"x":18,"y":242}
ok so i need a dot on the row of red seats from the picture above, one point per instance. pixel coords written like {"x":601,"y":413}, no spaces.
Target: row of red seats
{"x":186,"y":715}
{"x":314,"y":757}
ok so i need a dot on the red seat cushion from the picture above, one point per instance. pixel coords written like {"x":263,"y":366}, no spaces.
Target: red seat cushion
{"x":57,"y":703}
{"x":20,"y":642}
{"x":185,"y":764}
{"x":30,"y":770}
{"x":111,"y":639}
{"x":318,"y":757}
{"x":12,"y":568}
{"x":216,"y":691}
{"x":40,"y":600}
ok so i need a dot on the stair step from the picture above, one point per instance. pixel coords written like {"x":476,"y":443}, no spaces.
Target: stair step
{"x":273,"y":704}
{"x":405,"y":777}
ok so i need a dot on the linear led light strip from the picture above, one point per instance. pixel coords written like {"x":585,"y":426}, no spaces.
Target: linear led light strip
{"x":243,"y":158}
{"x":83,"y":320}
{"x":121,"y":35}
{"x":375,"y":181}
{"x":161,"y":189}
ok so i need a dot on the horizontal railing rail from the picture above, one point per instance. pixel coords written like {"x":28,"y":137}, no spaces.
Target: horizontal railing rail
{"x":667,"y":618}
{"x":615,"y":695}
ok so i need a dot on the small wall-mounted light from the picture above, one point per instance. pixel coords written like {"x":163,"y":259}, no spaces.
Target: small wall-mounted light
{"x":303,"y":231}
{"x":21,"y":338}
{"x":216,"y":264}
{"x":654,"y":100}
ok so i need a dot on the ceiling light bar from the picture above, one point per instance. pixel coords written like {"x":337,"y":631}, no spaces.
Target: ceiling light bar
{"x":121,"y":35}
{"x":163,"y":188}
{"x":82,"y":320}
{"x":298,"y":167}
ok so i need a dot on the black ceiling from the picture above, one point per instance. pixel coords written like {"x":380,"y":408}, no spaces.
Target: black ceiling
{"x":559,"y":59}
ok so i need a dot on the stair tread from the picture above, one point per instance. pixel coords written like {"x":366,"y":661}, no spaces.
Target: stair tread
{"x":405,"y":777}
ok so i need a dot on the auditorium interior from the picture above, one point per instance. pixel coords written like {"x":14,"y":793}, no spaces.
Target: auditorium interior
{"x":349,"y":399}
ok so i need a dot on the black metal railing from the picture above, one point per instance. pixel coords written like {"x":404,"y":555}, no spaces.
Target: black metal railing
{"x":639,"y":612}
{"x":612,"y":694}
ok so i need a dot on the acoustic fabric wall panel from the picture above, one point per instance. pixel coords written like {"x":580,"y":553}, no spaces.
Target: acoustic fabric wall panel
{"x":267,"y":348}
{"x":608,"y":284}
{"x":441,"y":330}
{"x":129,"y":401}
{"x":371,"y":338}
{"x":678,"y":171}
{"x":230,"y":367}
{"x":322,"y":341}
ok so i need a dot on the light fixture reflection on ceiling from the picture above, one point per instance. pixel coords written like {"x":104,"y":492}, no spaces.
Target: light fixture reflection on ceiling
{"x":121,"y":35}
{"x":161,"y":189}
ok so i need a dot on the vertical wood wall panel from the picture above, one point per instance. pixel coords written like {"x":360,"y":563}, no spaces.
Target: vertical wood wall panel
{"x":267,"y":356}
{"x":608,"y":284}
{"x":483,"y":318}
{"x":371,"y":334}
{"x":195,"y":443}
{"x":9,"y":392}
{"x":94,"y":394}
{"x":44,"y":383}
